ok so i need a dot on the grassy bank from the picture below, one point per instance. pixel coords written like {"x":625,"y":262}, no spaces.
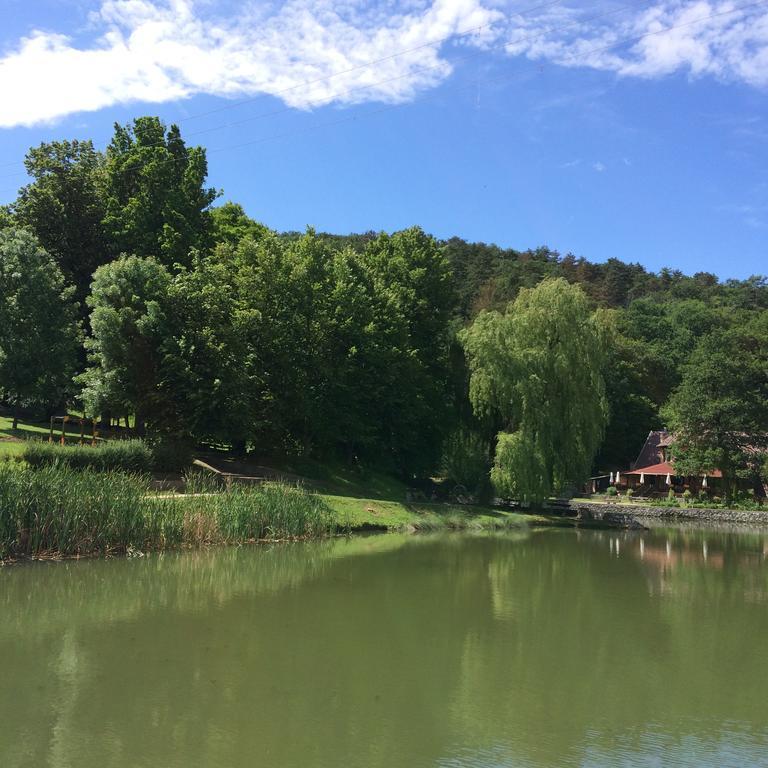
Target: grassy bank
{"x":358,"y":513}
{"x":58,"y":511}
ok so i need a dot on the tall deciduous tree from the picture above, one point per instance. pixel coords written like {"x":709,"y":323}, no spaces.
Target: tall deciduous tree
{"x":719,"y":413}
{"x":537,"y":369}
{"x":38,"y":327}
{"x":128,"y":325}
{"x":231,"y":224}
{"x":157,"y":203}
{"x":414,"y":298}
{"x":64,"y":207}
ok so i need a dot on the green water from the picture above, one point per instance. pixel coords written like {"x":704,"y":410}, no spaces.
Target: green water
{"x":553,"y":648}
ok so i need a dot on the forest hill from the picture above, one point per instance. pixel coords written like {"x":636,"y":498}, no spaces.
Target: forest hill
{"x":145,"y":299}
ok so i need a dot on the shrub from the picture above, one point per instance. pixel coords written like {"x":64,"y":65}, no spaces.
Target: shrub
{"x":630,"y":492}
{"x":687,"y":495}
{"x":611,"y":491}
{"x":466,"y":459}
{"x":125,"y":455}
{"x":671,"y":495}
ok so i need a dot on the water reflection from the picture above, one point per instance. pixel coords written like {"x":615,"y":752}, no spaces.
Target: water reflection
{"x":556,"y":648}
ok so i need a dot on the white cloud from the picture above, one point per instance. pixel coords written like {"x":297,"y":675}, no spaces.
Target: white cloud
{"x":313,"y":52}
{"x":160,"y":50}
{"x":599,"y":166}
{"x":727,"y":40}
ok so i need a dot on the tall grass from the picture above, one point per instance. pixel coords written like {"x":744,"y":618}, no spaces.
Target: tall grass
{"x":57,"y":510}
{"x":125,"y":455}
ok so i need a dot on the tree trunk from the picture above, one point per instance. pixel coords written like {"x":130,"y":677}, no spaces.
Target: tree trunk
{"x":141,"y":427}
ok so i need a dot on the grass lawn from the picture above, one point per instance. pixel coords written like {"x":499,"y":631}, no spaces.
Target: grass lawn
{"x":396,"y":515}
{"x":36,"y":430}
{"x":11,"y":440}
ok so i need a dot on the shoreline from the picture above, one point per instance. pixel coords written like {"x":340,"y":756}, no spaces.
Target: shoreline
{"x":757,"y":518}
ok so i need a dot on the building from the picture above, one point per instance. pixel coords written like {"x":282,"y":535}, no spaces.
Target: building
{"x":653,"y":472}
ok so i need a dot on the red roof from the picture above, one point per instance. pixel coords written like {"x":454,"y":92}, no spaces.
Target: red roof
{"x":665,"y":468}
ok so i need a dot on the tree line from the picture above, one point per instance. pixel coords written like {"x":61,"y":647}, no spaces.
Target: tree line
{"x":125,"y":290}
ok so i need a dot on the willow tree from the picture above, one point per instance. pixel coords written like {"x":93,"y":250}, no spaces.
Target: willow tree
{"x":537,"y":373}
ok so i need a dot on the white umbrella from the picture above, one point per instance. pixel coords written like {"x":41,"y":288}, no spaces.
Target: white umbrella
{"x":611,"y":480}
{"x":704,"y":482}
{"x":642,"y":478}
{"x":618,"y":478}
{"x":669,"y":479}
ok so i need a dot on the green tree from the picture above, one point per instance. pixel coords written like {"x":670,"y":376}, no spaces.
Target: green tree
{"x":231,"y":224}
{"x":413,"y":302}
{"x":64,"y":207}
{"x":206,"y":376}
{"x":7,"y":218}
{"x":128,"y":323}
{"x":633,"y":414}
{"x":156,"y":200}
{"x":38,"y":327}
{"x":537,"y":369}
{"x":719,"y":413}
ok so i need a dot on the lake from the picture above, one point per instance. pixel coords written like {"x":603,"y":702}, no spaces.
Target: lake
{"x":550,"y":647}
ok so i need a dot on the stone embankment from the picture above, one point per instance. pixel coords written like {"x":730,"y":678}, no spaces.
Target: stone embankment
{"x":612,"y":512}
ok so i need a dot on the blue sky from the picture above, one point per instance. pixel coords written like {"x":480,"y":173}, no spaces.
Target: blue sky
{"x":631,"y":130}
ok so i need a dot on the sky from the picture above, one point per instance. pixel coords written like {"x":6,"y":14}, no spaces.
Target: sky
{"x":636,"y":130}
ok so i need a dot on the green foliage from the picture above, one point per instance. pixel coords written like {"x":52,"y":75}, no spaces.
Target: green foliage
{"x":7,"y":219}
{"x":64,"y":207}
{"x":633,"y":414}
{"x":466,"y":459}
{"x":231,"y":225}
{"x":127,"y":300}
{"x":171,"y":455}
{"x":537,"y":370}
{"x":38,"y":328}
{"x":155,"y":198}
{"x":126,"y":455}
{"x":611,"y":490}
{"x":630,"y":493}
{"x":61,"y":510}
{"x":719,"y":412}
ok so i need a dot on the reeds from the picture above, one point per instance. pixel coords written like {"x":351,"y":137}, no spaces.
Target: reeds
{"x":125,"y":455}
{"x":59,"y":511}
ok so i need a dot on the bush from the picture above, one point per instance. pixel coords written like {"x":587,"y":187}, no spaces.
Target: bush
{"x":671,"y":495}
{"x":124,"y":455}
{"x":630,"y":492}
{"x":171,"y":455}
{"x":611,"y":491}
{"x":687,"y":495}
